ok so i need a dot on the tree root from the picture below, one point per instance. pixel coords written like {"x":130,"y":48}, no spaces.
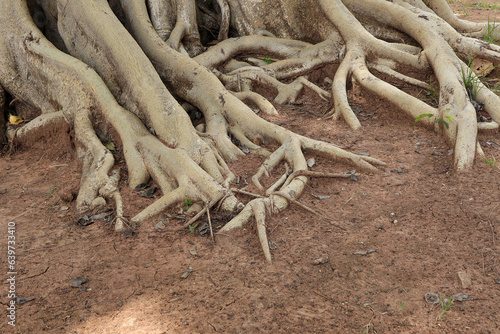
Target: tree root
{"x":128,"y":85}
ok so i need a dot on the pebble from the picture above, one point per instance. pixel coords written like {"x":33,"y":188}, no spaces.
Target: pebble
{"x":365,"y":253}
{"x":77,"y":282}
{"x":3,"y":191}
{"x":321,"y":260}
{"x":159,"y":226}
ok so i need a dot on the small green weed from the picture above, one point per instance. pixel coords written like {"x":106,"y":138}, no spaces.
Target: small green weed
{"x":369,"y":328}
{"x":187,"y":203}
{"x":485,"y":5}
{"x":52,"y":191}
{"x":111,"y":146}
{"x":267,"y":59}
{"x":490,"y":162}
{"x":445,"y":305}
{"x":433,"y":93}
{"x":490,"y":35}
{"x":471,"y":81}
{"x":402,"y":305}
{"x":193,"y":227}
{"x":438,"y":120}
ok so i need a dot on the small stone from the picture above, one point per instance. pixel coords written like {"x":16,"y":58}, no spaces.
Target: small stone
{"x":311,"y":162}
{"x":497,"y":280}
{"x":119,"y":303}
{"x":461,"y":297}
{"x":321,"y":260}
{"x":193,"y":251}
{"x":465,"y":279}
{"x":321,"y":196}
{"x":255,"y":296}
{"x":3,"y":191}
{"x":130,"y":322}
{"x":84,"y":221}
{"x":66,"y":195}
{"x":365,"y":252}
{"x":186,"y":273}
{"x":159,"y":226}
{"x":77,"y":282}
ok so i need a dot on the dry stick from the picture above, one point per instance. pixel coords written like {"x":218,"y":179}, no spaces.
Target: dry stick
{"x":205,"y":209}
{"x":210,"y":223}
{"x":306,"y":172}
{"x":243,"y":192}
{"x":298,"y":203}
{"x":493,"y":238}
{"x":327,"y":298}
{"x":289,"y":199}
{"x":306,"y":208}
{"x":195,"y":218}
{"x":11,"y":146}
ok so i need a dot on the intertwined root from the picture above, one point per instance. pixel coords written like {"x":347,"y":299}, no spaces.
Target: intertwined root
{"x":122,"y":82}
{"x":441,"y":41}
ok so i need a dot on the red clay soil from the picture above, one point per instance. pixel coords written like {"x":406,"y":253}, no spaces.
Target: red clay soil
{"x":391,"y":238}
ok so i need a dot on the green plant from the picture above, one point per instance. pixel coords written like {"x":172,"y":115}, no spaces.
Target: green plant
{"x":438,"y":120}
{"x":52,"y":191}
{"x":490,"y":35}
{"x":111,"y":146}
{"x":267,"y":59}
{"x":496,"y":89}
{"x":187,"y":203}
{"x":445,"y":305}
{"x":402,"y":305}
{"x":485,"y":5}
{"x":369,"y":326}
{"x":193,"y":227}
{"x":471,"y":81}
{"x":489,"y":162}
{"x":433,"y":92}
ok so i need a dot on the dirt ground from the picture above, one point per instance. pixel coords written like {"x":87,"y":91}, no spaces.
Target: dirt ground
{"x":391,"y":238}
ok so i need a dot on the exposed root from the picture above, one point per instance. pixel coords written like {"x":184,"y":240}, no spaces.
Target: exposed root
{"x":253,"y":98}
{"x":162,"y":14}
{"x":259,"y":211}
{"x":128,"y":84}
{"x":37,"y":128}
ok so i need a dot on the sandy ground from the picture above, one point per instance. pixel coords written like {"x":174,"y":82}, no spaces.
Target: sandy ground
{"x":387,"y":240}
